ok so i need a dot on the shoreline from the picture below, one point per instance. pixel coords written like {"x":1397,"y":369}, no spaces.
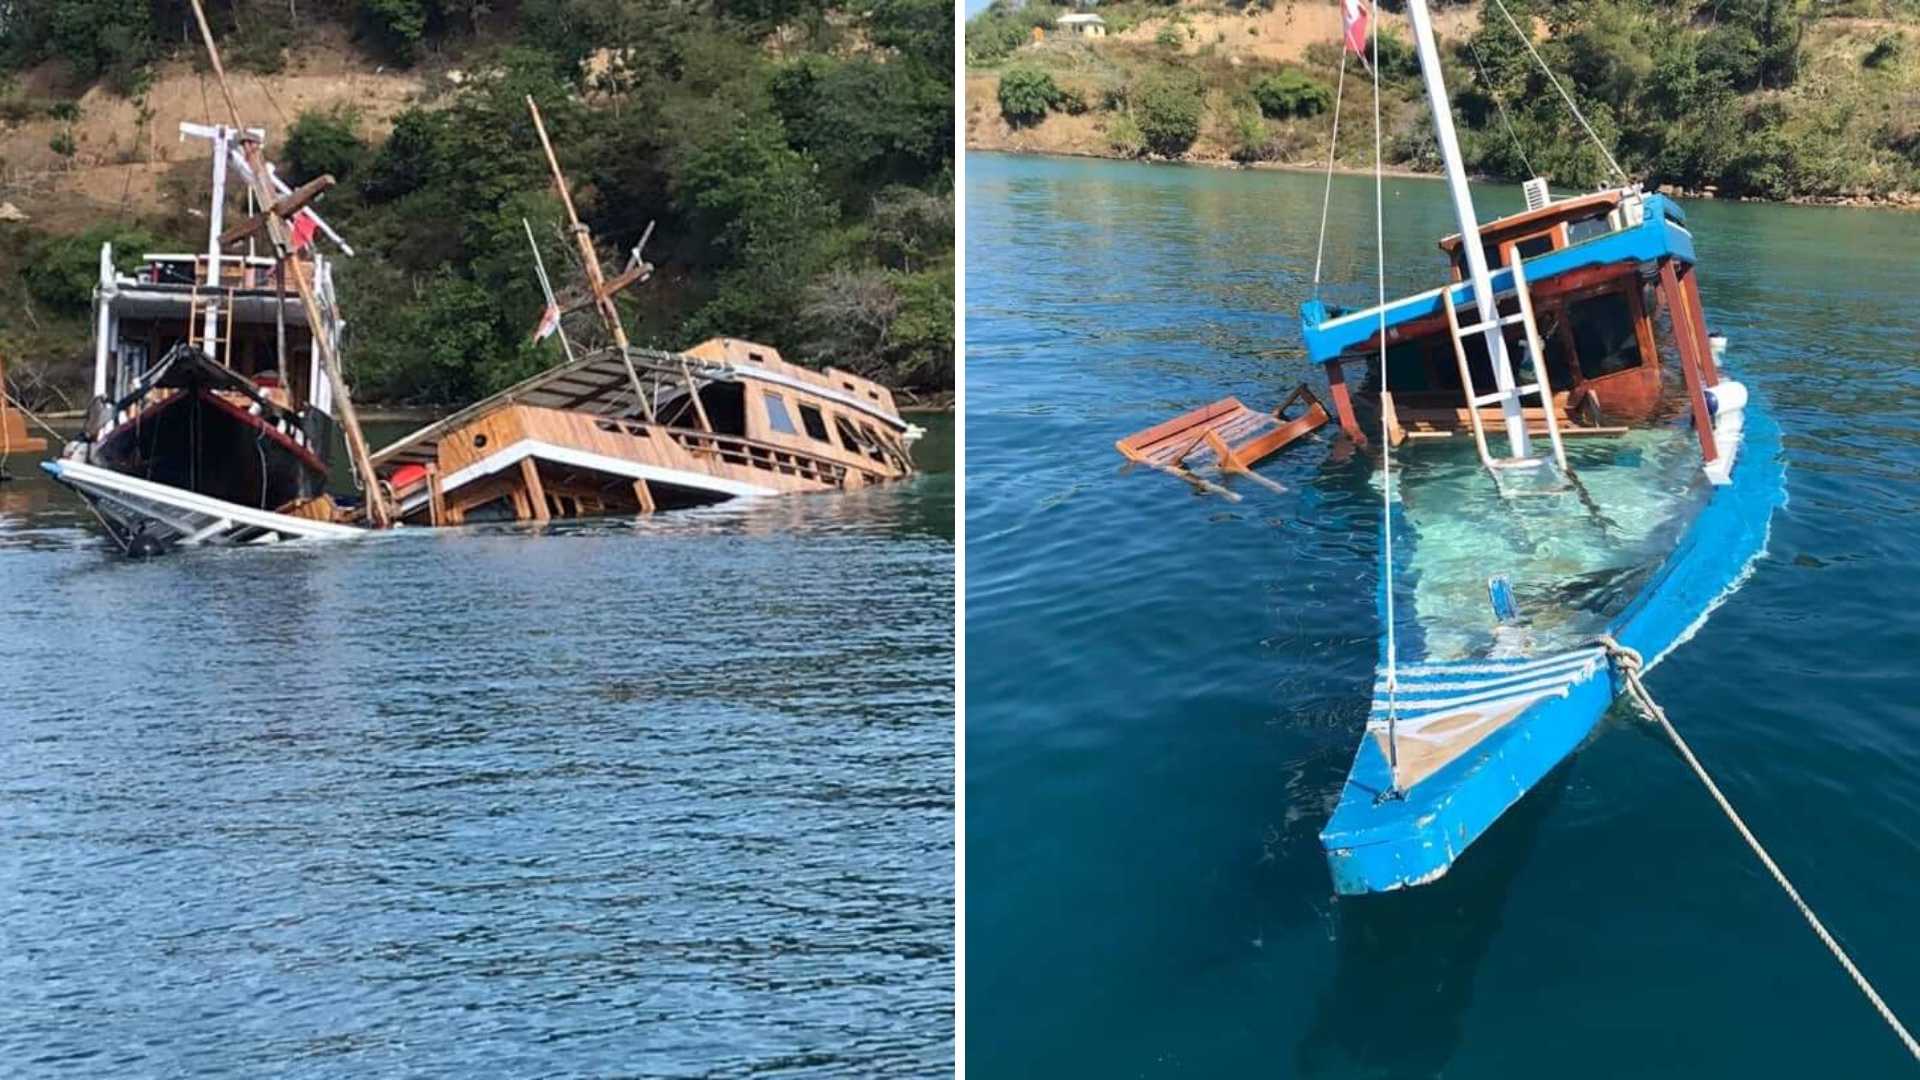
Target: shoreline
{"x":1900,"y":200}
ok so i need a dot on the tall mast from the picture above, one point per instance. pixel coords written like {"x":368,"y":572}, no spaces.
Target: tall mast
{"x":1469,"y":226}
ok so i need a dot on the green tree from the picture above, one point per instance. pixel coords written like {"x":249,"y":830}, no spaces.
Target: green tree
{"x":1168,"y":110}
{"x":1289,"y":93}
{"x":1026,"y":94}
{"x":324,"y":142}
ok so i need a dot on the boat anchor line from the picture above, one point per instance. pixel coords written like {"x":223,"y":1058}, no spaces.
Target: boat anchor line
{"x":1628,"y":663}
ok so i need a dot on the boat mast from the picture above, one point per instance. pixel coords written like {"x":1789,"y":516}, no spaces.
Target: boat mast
{"x":1469,"y":227}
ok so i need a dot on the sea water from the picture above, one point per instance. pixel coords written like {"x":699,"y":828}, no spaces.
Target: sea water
{"x":1164,"y":691}
{"x":667,"y":796}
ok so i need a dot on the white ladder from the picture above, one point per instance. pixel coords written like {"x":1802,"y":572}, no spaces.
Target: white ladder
{"x":1541,"y":385}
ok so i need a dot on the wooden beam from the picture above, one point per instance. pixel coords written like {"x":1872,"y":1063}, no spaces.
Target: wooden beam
{"x":1697,"y":318}
{"x":1343,"y":402}
{"x":536,"y":494}
{"x":436,"y":497}
{"x":1689,"y":361}
{"x":288,"y":206}
{"x":643,"y":492}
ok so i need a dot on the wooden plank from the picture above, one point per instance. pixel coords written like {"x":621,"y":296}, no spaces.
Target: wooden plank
{"x":436,"y":497}
{"x":289,"y":205}
{"x":1186,"y":421}
{"x":1697,"y":317}
{"x":1689,"y":362}
{"x":536,"y":494}
{"x":1343,"y":402}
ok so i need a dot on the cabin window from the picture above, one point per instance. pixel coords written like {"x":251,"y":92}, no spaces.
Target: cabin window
{"x":777,"y":414}
{"x":1580,"y":231}
{"x":874,"y":449}
{"x":1534,"y":245}
{"x":849,"y":438}
{"x":1604,"y":337}
{"x":816,"y":424}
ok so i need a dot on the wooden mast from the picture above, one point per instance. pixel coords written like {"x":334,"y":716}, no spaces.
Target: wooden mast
{"x":596,"y":281}
{"x":276,"y":226}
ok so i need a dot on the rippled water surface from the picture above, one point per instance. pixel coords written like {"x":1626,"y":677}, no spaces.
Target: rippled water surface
{"x":664,"y":798}
{"x":1164,"y":691}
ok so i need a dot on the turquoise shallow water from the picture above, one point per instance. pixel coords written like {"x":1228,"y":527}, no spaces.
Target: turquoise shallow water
{"x":1164,"y":692}
{"x":659,"y":798}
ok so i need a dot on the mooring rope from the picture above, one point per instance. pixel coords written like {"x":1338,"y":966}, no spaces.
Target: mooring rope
{"x":1564,"y":96}
{"x":1333,"y":144}
{"x":1494,"y":93}
{"x":1629,"y":663}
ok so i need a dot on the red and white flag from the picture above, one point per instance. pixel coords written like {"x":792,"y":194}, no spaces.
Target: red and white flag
{"x":549,"y":322}
{"x":1355,"y":15}
{"x":304,"y":226}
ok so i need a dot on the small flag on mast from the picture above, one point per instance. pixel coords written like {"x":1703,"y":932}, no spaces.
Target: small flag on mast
{"x":549,"y":322}
{"x":1354,"y":14}
{"x":304,"y":226}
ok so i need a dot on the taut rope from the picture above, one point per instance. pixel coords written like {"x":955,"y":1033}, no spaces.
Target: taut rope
{"x":1628,"y":662}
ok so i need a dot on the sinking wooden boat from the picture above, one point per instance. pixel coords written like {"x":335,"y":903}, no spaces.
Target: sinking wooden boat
{"x":212,"y":417}
{"x":727,"y":418}
{"x":14,"y":436}
{"x":1569,"y":471}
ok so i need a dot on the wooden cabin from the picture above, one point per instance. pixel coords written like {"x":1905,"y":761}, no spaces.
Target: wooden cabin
{"x":576,"y":440}
{"x":1597,"y":321}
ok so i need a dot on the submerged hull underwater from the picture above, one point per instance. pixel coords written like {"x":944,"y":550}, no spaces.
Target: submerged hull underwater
{"x":1546,"y":703}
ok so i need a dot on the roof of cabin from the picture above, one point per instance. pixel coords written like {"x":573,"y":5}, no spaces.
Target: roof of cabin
{"x":1527,"y":221}
{"x":1329,"y":332}
{"x":597,"y":383}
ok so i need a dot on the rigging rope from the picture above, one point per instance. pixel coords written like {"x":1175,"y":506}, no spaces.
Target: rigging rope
{"x":1629,"y":663}
{"x":1386,"y":437}
{"x":1333,"y":144}
{"x":1564,"y":96}
{"x":1494,"y":93}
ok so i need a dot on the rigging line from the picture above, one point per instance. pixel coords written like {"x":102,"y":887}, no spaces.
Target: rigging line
{"x":1333,"y":144}
{"x":1495,"y":95}
{"x":1386,"y":437}
{"x":1564,"y":96}
{"x":1629,"y":663}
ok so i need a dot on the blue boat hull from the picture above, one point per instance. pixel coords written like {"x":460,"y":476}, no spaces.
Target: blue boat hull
{"x":1377,"y":844}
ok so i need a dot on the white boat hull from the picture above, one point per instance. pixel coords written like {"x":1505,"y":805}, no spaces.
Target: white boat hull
{"x":157,"y":516}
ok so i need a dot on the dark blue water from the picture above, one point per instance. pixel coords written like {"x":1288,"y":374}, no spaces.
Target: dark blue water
{"x":1164,"y":691}
{"x":667,"y":798}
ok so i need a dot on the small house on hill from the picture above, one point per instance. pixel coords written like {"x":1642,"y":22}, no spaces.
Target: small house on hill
{"x":1084,"y":25}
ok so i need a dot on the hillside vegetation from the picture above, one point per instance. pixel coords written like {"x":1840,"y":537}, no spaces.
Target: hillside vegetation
{"x":1772,"y":99}
{"x":795,"y":159}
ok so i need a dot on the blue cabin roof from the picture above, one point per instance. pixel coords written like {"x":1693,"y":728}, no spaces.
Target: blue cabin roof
{"x":1662,"y":232}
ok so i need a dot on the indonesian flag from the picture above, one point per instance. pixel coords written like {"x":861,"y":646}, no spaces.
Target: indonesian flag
{"x":304,"y":226}
{"x":549,"y":322}
{"x":1354,"y":14}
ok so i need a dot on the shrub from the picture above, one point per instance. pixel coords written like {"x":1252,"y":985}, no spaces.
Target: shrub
{"x":1124,"y":137}
{"x":991,"y":37}
{"x":1249,"y":135}
{"x":1884,"y":52}
{"x":1026,"y":94}
{"x":398,"y":24}
{"x":1168,"y":37}
{"x":1290,"y":93}
{"x":324,"y":141}
{"x":1168,"y":111}
{"x":63,"y":270}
